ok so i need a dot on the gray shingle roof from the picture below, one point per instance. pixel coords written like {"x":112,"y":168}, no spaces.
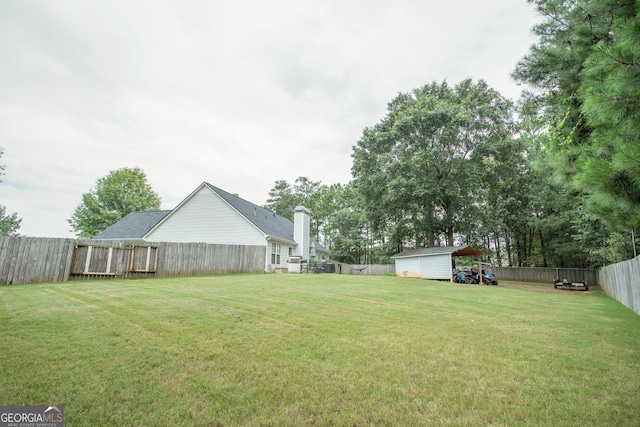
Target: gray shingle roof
{"x":268,"y":222}
{"x":133,"y":226}
{"x":453,"y":250}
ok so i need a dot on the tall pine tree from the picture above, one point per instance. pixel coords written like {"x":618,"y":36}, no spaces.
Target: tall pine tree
{"x":587,"y":67}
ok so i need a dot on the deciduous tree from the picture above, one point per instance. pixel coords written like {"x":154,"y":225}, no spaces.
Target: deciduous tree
{"x":9,"y":223}
{"x":119,"y":193}
{"x":419,"y":169}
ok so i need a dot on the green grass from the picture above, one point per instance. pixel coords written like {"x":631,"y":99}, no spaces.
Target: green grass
{"x":275,"y":349}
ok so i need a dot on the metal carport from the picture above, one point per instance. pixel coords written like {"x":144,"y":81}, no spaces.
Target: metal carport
{"x":432,"y":263}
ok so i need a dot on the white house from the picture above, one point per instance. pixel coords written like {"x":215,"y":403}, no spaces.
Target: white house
{"x":431,"y":263}
{"x":212,"y":215}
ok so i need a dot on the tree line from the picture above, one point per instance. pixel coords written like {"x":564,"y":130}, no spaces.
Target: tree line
{"x":552,"y":180}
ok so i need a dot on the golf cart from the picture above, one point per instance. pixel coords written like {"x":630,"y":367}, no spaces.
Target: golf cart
{"x":465,"y":276}
{"x":488,"y":278}
{"x":565,"y":284}
{"x":470,"y":276}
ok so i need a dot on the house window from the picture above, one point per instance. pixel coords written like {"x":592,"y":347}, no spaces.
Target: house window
{"x":275,"y":253}
{"x":290,"y":251}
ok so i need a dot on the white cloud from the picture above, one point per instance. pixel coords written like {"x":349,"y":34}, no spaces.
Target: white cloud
{"x":239,"y":94}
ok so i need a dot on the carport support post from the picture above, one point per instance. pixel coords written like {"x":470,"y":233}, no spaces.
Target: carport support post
{"x":480,"y":269}
{"x":452,"y":269}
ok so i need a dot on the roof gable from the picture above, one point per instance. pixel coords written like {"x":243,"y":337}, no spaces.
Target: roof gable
{"x":269,"y":223}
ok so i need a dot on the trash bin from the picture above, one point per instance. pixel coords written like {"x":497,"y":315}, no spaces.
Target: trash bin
{"x":330,"y":267}
{"x":327,"y":267}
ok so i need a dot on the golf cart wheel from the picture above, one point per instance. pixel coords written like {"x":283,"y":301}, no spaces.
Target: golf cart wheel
{"x":468,"y":280}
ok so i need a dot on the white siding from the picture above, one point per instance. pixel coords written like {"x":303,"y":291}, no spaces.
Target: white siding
{"x":284,"y":254}
{"x":408,"y":267}
{"x":436,"y":267}
{"x":425,"y":267}
{"x":205,"y":217}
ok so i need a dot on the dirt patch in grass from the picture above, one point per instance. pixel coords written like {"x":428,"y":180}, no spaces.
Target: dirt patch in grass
{"x":542,"y":288}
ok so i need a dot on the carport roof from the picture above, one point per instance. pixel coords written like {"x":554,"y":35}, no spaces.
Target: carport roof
{"x":453,"y":250}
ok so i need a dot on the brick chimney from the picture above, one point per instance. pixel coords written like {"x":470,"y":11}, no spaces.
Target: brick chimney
{"x":301,"y":231}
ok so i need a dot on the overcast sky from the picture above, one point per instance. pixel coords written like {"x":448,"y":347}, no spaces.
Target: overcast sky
{"x":236,"y":93}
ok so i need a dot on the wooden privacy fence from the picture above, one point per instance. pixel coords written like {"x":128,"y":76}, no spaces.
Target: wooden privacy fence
{"x":190,"y":259}
{"x":34,"y":259}
{"x":622,"y":282}
{"x":523,"y":274}
{"x":365,"y":269}
{"x":542,"y":274}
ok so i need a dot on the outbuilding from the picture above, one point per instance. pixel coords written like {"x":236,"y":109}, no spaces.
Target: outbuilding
{"x":431,"y":263}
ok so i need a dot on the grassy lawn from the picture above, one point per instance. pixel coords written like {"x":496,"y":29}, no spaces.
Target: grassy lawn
{"x":275,"y":349}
